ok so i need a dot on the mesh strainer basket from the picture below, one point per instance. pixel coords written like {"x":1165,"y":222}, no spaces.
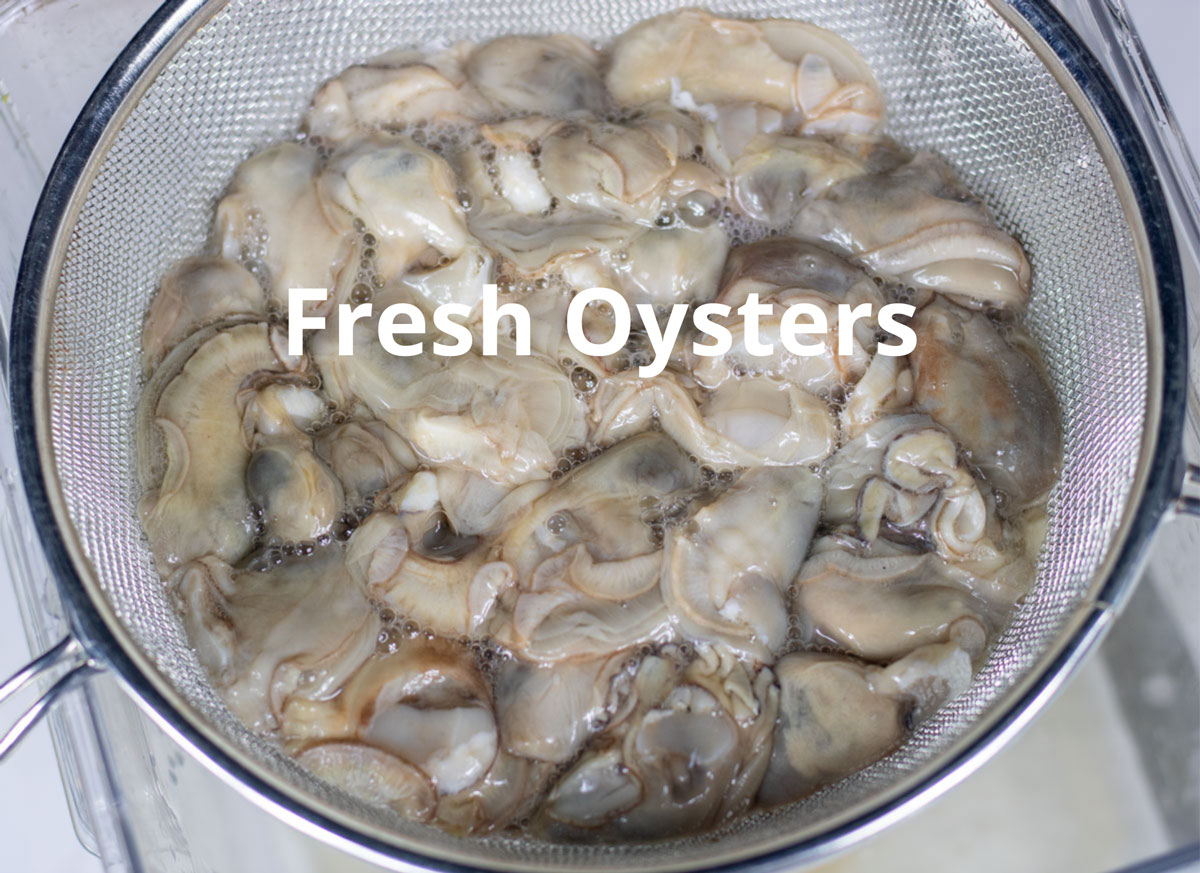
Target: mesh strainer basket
{"x":1005,"y":91}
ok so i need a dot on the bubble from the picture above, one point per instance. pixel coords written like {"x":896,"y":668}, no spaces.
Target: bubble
{"x":699,"y":209}
{"x":583,"y":379}
{"x":387,"y":642}
{"x":1003,"y":501}
{"x":556,"y":524}
{"x":345,"y":526}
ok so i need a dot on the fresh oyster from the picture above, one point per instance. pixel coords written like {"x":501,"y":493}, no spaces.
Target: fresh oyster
{"x":198,"y":505}
{"x":992,"y":395}
{"x":917,"y":224}
{"x":273,"y":221}
{"x":272,"y":634}
{"x":691,"y":752}
{"x":794,"y":68}
{"x":396,"y":90}
{"x":195,"y":293}
{"x":726,"y":571}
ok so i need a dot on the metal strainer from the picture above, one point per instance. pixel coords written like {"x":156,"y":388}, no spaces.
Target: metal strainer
{"x":1006,"y":93}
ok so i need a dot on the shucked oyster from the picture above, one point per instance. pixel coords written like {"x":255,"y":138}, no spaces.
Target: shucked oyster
{"x":881,"y":608}
{"x":837,"y":715}
{"x":784,"y":272}
{"x":270,"y":636}
{"x":915,"y":223}
{"x":396,"y":90}
{"x":690,"y":751}
{"x":198,"y":292}
{"x":992,"y":395}
{"x":428,"y":706}
{"x":554,"y":75}
{"x":403,"y":194}
{"x":743,"y":422}
{"x":795,"y":68}
{"x":199,"y":504}
{"x":726,"y":572}
{"x":273,"y":220}
{"x":586,"y":565}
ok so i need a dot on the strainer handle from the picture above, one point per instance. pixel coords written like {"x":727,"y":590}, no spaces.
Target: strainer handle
{"x":1189,"y":498}
{"x":66,"y":655}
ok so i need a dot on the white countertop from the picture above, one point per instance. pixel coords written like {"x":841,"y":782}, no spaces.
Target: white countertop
{"x":35,"y":826}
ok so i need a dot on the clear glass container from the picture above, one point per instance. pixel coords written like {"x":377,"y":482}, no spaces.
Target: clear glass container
{"x":1106,"y":778}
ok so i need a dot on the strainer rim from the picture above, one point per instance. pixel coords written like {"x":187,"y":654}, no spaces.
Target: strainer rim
{"x":1159,"y":485}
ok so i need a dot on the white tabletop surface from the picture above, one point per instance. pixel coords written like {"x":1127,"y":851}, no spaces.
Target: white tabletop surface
{"x":36,"y":834}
